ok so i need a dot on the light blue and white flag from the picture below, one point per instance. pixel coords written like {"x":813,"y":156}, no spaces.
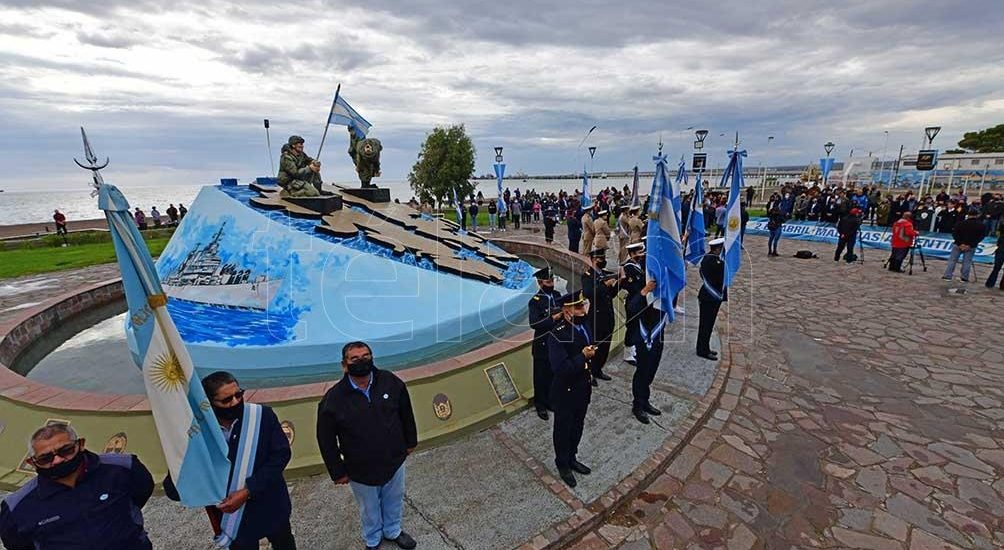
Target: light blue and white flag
{"x":664,"y":261}
{"x":696,"y":232}
{"x":587,"y":199}
{"x":247,"y":448}
{"x":678,"y":183}
{"x":733,"y":216}
{"x":499,"y":174}
{"x":190,"y":435}
{"x":459,"y":207}
{"x":825,"y":165}
{"x":344,"y":115}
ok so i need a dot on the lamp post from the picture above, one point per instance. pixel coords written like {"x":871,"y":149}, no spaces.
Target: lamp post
{"x":930,"y":133}
{"x":498,"y":155}
{"x":828,"y":147}
{"x":763,"y":178}
{"x":885,"y":147}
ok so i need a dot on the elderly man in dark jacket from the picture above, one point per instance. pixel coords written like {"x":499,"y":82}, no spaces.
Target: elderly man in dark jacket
{"x":265,"y":498}
{"x":365,"y":430}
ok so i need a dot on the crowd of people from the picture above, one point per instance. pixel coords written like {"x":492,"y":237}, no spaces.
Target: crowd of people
{"x":155,"y":219}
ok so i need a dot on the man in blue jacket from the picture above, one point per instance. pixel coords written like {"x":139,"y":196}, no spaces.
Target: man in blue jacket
{"x":265,"y":498}
{"x":79,"y":501}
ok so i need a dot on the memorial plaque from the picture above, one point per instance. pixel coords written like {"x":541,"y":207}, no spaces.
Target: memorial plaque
{"x":502,"y":384}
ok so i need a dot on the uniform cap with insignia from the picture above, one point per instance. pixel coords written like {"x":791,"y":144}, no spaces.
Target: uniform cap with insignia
{"x":636,"y":246}
{"x":635,"y":209}
{"x":572,"y":299}
{"x":717,"y":242}
{"x":598,"y":253}
{"x":543,"y":274}
{"x":602,"y":213}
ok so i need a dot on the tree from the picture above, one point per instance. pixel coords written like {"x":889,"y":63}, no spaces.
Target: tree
{"x":445,"y":163}
{"x":990,"y":140}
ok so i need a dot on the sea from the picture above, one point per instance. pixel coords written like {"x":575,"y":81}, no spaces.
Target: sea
{"x":17,"y":207}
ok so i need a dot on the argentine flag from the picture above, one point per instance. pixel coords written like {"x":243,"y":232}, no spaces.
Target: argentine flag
{"x":189,"y":433}
{"x":587,"y":200}
{"x":733,"y":216}
{"x":696,"y":233}
{"x":344,"y":115}
{"x":499,"y":174}
{"x":664,"y":255}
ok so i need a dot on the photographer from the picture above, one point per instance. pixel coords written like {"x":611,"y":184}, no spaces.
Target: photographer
{"x":968,"y":234}
{"x":903,"y":234}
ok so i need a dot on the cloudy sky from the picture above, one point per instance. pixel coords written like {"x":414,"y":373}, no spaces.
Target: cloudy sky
{"x":176,"y":95}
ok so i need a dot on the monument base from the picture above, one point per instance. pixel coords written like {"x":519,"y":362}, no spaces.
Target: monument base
{"x":325,"y":204}
{"x":371,"y":194}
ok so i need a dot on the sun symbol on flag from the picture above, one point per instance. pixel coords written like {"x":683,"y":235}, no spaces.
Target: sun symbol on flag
{"x":167,"y":374}
{"x":733,"y":223}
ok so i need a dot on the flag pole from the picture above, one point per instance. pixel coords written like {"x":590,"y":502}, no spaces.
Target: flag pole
{"x":327,"y":121}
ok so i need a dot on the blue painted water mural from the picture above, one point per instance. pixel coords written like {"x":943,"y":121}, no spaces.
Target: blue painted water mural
{"x":199,"y":322}
{"x":514,"y":277}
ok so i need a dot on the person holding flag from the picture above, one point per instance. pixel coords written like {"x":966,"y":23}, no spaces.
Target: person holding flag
{"x":664,"y":261}
{"x":258,"y":506}
{"x":646,"y":335}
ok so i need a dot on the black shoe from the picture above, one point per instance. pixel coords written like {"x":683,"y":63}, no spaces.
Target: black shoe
{"x":602,"y":376}
{"x":641,"y":416}
{"x":567,"y":477}
{"x":581,"y":468}
{"x":649,"y":409}
{"x":405,"y":541}
{"x":708,"y":356}
{"x":634,"y":363}
{"x":595,"y":383}
{"x":542,"y":413}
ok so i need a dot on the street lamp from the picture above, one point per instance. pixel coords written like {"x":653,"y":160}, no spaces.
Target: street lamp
{"x":828,"y":147}
{"x":930,"y":133}
{"x":701,"y":134}
{"x":498,"y":155}
{"x":763,"y":182}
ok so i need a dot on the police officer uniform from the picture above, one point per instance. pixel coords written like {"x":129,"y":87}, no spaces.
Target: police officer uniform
{"x":571,"y":389}
{"x":646,"y":335}
{"x":633,"y":282}
{"x":601,"y":313}
{"x":710,"y":298}
{"x":543,"y":305}
{"x":102,"y":510}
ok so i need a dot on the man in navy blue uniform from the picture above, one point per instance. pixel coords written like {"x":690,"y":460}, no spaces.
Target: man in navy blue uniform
{"x":264,"y":497}
{"x":570,"y":350}
{"x":645,"y":333}
{"x":710,"y":297}
{"x":633,"y":281}
{"x":80,"y":500}
{"x":600,"y":287}
{"x":544,"y":315}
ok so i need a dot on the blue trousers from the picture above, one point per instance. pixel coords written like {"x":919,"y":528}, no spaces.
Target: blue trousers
{"x":967,"y":261}
{"x":380,"y":508}
{"x":775,"y":237}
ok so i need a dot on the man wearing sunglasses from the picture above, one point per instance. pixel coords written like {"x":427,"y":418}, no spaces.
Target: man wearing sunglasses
{"x":258,"y":508}
{"x":365,"y":430}
{"x":79,"y":500}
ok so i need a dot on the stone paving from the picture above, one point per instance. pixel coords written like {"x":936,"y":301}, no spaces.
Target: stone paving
{"x":864,"y":410}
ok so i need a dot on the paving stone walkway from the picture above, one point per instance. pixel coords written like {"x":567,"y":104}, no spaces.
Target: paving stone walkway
{"x":865,"y":410}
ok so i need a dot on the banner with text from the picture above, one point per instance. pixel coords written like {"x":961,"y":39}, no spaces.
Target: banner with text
{"x":936,"y":245}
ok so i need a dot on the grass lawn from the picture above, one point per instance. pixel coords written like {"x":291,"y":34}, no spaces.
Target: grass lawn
{"x":31,"y":261}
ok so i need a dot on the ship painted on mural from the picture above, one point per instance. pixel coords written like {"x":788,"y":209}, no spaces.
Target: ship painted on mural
{"x":203,"y":277}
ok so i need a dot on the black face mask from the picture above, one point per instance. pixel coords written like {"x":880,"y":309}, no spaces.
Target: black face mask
{"x":600,"y":264}
{"x":578,"y":319}
{"x":361,"y":368}
{"x":62,"y":469}
{"x":230,"y":413}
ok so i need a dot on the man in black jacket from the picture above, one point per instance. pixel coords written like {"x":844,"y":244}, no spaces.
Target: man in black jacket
{"x":600,"y":287}
{"x":710,"y":297}
{"x":365,"y":430}
{"x":998,"y":259}
{"x":847,"y":229}
{"x":570,"y":349}
{"x":967,"y":234}
{"x":544,"y":315}
{"x":265,"y":497}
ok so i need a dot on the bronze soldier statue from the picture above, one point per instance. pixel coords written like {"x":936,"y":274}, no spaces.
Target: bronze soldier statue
{"x":365,"y":153}
{"x":299,"y":175}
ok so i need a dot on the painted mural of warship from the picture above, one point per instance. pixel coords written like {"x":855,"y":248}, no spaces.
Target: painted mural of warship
{"x":203,"y":277}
